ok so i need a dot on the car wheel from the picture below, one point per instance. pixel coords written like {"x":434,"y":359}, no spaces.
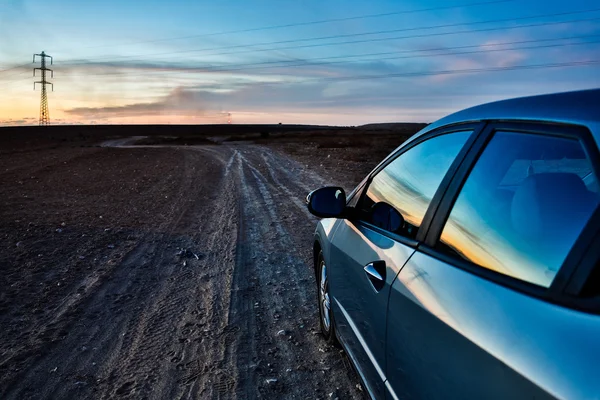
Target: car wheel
{"x":324,"y":301}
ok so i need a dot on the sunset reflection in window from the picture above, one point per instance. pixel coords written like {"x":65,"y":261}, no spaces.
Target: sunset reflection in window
{"x":410,"y":181}
{"x":523,"y":206}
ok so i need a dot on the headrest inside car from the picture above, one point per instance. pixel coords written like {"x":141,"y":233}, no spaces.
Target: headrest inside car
{"x":547,"y":202}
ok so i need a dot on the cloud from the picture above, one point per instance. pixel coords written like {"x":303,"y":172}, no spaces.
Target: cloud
{"x":488,"y":58}
{"x":30,"y":121}
{"x":10,"y":121}
{"x":200,"y":90}
{"x":123,"y":68}
{"x":230,"y":73}
{"x":180,"y":101}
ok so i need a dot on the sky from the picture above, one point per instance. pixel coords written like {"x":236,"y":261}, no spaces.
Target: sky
{"x":334,"y":62}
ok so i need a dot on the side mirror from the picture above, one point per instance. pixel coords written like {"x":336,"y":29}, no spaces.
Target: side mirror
{"x":327,"y":202}
{"x":386,"y":217}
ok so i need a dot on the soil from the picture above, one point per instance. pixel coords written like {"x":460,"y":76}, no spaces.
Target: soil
{"x":165,"y":272}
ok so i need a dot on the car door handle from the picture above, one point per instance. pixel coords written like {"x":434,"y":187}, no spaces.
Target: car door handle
{"x":376,"y":273}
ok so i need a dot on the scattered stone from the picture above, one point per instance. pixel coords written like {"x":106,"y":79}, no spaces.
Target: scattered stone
{"x":58,"y":230}
{"x":184,"y":253}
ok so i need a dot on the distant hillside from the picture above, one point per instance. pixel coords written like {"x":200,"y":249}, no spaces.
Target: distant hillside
{"x":394,"y":126}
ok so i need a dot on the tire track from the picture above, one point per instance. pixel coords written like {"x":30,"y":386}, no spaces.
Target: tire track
{"x":136,"y":310}
{"x":236,"y":319}
{"x":275,"y":293}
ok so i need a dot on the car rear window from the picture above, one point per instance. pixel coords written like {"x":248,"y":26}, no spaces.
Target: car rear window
{"x":523,"y":206}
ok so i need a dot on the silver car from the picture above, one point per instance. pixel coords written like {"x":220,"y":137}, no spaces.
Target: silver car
{"x":467,"y":264}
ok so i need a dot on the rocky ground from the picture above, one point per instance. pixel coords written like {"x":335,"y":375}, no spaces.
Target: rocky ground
{"x":167,"y":272}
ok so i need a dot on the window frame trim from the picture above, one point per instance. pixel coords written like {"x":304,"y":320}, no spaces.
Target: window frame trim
{"x":587,"y":259}
{"x":570,"y":268}
{"x":357,"y":191}
{"x":475,"y":127}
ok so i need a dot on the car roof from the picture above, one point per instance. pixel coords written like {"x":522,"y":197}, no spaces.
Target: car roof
{"x":578,"y":107}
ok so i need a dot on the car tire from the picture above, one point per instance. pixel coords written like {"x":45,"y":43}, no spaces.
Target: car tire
{"x":324,"y":302}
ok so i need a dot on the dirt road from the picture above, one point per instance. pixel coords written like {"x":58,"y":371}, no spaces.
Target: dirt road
{"x":187,"y":275}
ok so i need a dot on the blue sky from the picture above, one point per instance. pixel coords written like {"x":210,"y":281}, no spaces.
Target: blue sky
{"x":326,"y":62}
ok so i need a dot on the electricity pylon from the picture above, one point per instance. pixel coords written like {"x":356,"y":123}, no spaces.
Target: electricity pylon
{"x":44,"y":113}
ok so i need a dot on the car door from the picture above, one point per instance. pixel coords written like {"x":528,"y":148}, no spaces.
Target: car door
{"x":368,"y":250}
{"x":478,"y":311}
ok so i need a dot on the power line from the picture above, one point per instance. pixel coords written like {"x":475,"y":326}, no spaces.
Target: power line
{"x":83,"y":61}
{"x":4,"y":77}
{"x":444,"y":72}
{"x":435,"y":55}
{"x":466,"y":71}
{"x":425,"y":55}
{"x":437,"y":73}
{"x":310,"y":61}
{"x":15,"y":81}
{"x":308,"y":23}
{"x":15,"y":67}
{"x":382,"y":32}
{"x":409,"y":36}
{"x":394,"y":57}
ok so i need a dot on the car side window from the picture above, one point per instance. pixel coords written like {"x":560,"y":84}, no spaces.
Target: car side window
{"x":523,"y":206}
{"x":399,"y":195}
